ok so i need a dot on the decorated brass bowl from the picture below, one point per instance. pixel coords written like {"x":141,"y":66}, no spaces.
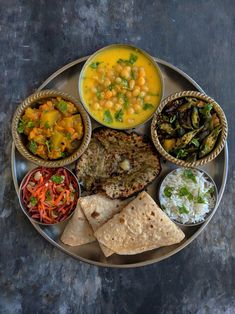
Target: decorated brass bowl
{"x":206,"y":154}
{"x":21,"y":140}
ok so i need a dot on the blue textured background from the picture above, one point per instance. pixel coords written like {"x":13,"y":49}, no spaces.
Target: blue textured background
{"x":37,"y":38}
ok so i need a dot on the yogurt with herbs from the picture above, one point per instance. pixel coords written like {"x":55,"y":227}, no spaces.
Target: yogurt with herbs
{"x":187,"y":195}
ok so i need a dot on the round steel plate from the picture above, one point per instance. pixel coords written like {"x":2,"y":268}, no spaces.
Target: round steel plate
{"x":175,"y":80}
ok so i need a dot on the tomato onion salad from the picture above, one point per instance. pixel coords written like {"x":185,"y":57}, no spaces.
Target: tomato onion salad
{"x":49,"y":195}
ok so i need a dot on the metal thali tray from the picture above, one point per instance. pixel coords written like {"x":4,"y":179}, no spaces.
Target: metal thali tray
{"x":175,"y":80}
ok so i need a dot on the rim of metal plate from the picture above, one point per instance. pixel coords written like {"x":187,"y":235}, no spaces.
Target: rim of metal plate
{"x":145,"y":263}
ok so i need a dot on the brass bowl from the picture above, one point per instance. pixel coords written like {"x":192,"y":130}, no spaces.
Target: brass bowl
{"x":133,"y":48}
{"x":24,"y":209}
{"x":20,"y":139}
{"x":220,"y":142}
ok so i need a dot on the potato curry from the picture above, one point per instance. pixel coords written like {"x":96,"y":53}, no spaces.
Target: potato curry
{"x":53,"y":128}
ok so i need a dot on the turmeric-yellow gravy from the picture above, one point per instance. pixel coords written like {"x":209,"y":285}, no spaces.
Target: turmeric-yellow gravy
{"x":121,"y":87}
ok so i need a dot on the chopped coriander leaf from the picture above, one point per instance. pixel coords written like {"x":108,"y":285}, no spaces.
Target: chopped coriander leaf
{"x":183,"y":209}
{"x":201,"y":200}
{"x":68,"y":135}
{"x":188,"y":174}
{"x":47,"y":125}
{"x":195,"y":142}
{"x":119,"y":115}
{"x":48,"y":195}
{"x":168,"y":191}
{"x":98,"y":95}
{"x":210,"y":192}
{"x":133,"y":58}
{"x":147,"y":106}
{"x":94,"y":65}
{"x":30,"y":124}
{"x":64,"y":154}
{"x":62,"y":106}
{"x":183,"y":191}
{"x":120,"y":95}
{"x":21,"y":126}
{"x":133,"y":75}
{"x":56,"y":179}
{"x":107,"y":117}
{"x":33,"y":200}
{"x":111,"y":86}
{"x":33,"y":147}
{"x":206,"y":110}
{"x":126,"y":102}
{"x":181,"y":153}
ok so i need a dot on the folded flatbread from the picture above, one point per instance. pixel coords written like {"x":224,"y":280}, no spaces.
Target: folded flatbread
{"x":78,"y":231}
{"x":139,"y":227}
{"x":98,"y":209}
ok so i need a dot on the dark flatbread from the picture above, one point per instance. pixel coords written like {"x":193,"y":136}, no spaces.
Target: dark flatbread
{"x":118,"y":163}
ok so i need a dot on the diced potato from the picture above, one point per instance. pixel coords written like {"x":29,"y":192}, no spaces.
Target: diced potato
{"x":57,"y":140}
{"x":168,"y":144}
{"x":49,"y":118}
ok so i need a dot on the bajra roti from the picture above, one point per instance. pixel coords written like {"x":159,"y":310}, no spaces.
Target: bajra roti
{"x":78,"y":231}
{"x":117,"y":163}
{"x":139,"y":227}
{"x":98,"y":209}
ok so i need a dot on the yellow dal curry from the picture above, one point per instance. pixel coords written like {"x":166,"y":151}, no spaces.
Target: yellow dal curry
{"x":121,"y":87}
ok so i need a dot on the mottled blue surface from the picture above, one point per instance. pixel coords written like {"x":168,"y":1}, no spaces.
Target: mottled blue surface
{"x":37,"y":38}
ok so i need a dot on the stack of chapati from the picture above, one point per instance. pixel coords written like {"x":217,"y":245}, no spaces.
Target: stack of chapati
{"x":121,"y":227}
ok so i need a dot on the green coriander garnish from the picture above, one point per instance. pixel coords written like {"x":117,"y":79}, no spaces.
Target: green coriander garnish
{"x":68,"y":135}
{"x":181,"y":153}
{"x":147,"y":106}
{"x":33,"y":200}
{"x":188,"y":174}
{"x":133,"y":75}
{"x":94,"y":65}
{"x":200,"y":199}
{"x":107,"y":117}
{"x":183,"y":209}
{"x":119,"y":115}
{"x":98,"y":95}
{"x":56,"y":179}
{"x":132,"y":59}
{"x":62,"y":106}
{"x":30,"y":124}
{"x":48,"y":195}
{"x":126,"y":102}
{"x":47,"y":125}
{"x":111,"y":86}
{"x":33,"y":147}
{"x":168,"y":191}
{"x":183,"y":191}
{"x":21,"y":126}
